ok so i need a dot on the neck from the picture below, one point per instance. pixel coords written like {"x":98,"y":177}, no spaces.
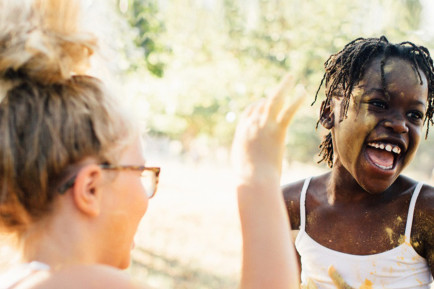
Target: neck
{"x":58,"y":244}
{"x":342,"y":187}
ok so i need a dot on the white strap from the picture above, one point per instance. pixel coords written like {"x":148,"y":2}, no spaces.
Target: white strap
{"x":16,"y":275}
{"x":411,"y":211}
{"x":303,"y":204}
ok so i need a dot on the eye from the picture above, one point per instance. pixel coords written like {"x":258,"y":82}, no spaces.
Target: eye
{"x":378,"y":103}
{"x":415,"y":115}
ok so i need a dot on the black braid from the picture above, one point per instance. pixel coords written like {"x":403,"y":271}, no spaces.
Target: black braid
{"x":346,"y":68}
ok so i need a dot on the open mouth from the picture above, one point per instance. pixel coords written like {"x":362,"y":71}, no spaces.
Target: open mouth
{"x":383,"y":155}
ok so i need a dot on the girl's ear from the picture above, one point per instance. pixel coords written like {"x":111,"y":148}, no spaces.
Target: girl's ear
{"x":327,"y":118}
{"x":87,"y":193}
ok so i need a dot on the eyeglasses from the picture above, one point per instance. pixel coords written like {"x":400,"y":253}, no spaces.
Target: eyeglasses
{"x":149,"y":177}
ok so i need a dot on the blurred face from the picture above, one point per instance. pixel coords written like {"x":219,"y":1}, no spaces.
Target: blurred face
{"x":126,"y":203}
{"x":381,"y":134}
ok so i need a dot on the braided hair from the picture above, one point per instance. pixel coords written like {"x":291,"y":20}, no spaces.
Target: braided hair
{"x":346,"y":68}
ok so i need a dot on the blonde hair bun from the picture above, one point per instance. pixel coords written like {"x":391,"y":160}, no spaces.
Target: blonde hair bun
{"x":42,"y":40}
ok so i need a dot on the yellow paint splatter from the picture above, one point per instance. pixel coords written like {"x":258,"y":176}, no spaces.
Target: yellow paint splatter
{"x":366,"y":285}
{"x":389,"y":232}
{"x":401,"y":240}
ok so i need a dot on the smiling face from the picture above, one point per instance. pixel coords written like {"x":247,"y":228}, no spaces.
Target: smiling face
{"x":381,"y":133}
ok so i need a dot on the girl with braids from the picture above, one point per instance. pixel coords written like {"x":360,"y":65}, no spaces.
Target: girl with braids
{"x":364,"y":219}
{"x":73,"y":184}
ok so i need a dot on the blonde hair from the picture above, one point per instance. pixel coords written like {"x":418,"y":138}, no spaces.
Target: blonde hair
{"x":52,"y":115}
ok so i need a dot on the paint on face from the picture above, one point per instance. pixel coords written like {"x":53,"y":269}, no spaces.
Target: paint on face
{"x":381,"y":133}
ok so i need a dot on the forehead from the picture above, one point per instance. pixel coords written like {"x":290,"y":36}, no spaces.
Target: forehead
{"x":393,"y":67}
{"x":400,"y":76}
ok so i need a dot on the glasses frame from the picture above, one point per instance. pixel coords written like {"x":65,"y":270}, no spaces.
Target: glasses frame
{"x":70,"y":183}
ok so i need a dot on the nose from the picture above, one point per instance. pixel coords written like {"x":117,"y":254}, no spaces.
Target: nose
{"x":397,"y":124}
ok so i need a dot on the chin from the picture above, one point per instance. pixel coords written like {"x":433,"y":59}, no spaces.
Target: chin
{"x":123,"y":260}
{"x":125,"y":263}
{"x":377,"y":190}
{"x":376,"y":187}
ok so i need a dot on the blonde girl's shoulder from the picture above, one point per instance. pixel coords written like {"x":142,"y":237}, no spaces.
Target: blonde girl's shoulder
{"x":85,"y":277}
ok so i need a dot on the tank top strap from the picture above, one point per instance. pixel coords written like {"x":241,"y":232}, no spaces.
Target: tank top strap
{"x":15,"y":275}
{"x":303,"y":204}
{"x":411,"y":211}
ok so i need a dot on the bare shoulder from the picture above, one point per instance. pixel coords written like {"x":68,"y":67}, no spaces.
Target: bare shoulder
{"x":89,"y":277}
{"x":292,"y":193}
{"x":423,"y":225}
{"x":427,"y":195}
{"x":425,"y":205}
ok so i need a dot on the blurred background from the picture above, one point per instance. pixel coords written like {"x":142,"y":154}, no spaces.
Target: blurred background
{"x":187,"y":68}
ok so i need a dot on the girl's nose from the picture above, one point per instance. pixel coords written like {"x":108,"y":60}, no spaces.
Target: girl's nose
{"x":397,"y":124}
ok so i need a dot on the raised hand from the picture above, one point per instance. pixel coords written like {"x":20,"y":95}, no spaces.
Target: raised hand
{"x":269,"y":259}
{"x":258,"y":145}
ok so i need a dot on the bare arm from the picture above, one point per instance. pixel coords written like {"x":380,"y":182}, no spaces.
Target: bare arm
{"x":269,"y":258}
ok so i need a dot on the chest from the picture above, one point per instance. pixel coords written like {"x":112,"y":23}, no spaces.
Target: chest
{"x":359,"y":229}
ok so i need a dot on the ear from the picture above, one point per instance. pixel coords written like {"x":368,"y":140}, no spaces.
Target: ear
{"x":327,"y":117}
{"x":87,"y":193}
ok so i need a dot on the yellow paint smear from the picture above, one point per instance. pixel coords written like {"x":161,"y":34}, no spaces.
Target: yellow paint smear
{"x":366,"y":285}
{"x":389,"y":232}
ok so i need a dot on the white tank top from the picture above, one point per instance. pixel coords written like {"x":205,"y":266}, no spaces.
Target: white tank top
{"x":400,"y":267}
{"x":17,"y":274}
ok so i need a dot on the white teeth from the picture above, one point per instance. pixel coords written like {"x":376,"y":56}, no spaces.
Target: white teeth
{"x":388,"y":147}
{"x":383,"y":167}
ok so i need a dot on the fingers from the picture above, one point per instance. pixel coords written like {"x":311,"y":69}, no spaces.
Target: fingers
{"x":289,"y":110}
{"x":253,"y":113}
{"x":248,"y":110}
{"x":277,"y":99}
{"x":337,"y":279}
{"x":281,"y":106}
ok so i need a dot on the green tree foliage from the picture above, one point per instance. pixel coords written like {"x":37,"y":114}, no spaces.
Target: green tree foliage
{"x":144,"y":17}
{"x":224,"y":54}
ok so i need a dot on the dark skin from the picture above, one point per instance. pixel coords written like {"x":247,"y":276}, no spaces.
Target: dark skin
{"x":364,"y":196}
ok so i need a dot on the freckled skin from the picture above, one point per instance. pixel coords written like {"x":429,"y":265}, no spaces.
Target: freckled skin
{"x":368,"y":204}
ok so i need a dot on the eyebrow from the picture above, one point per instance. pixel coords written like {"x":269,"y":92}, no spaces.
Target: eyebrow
{"x":420,"y":102}
{"x":381,"y":90}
